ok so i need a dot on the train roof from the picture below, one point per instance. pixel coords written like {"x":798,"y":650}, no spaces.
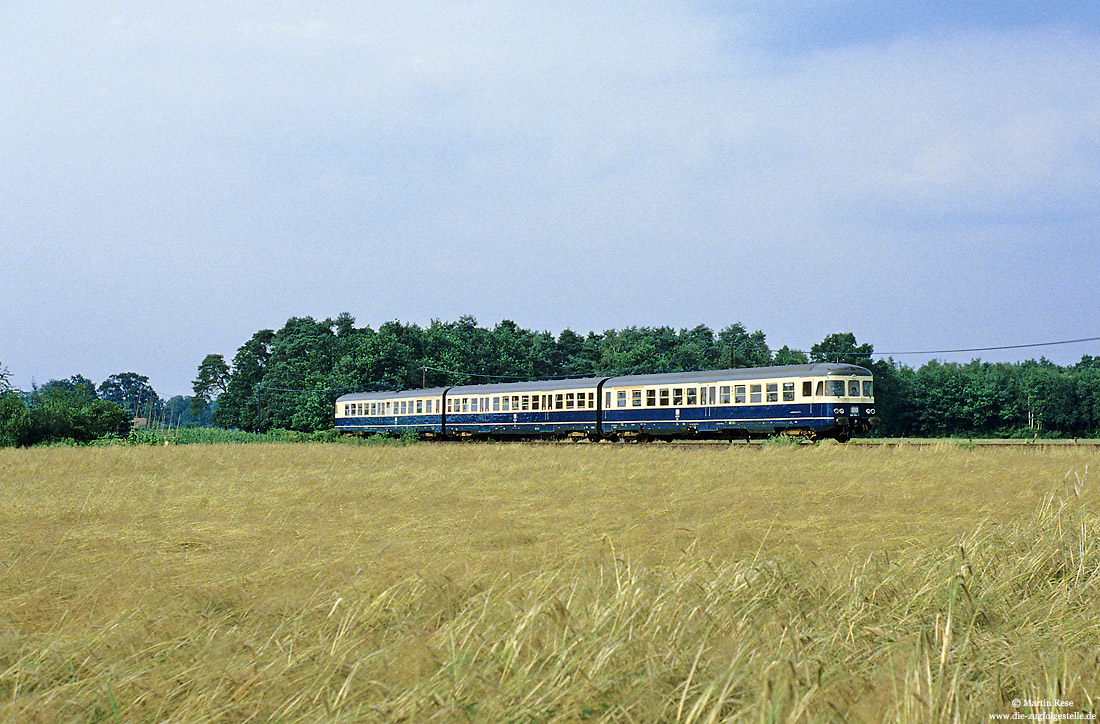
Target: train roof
{"x":392,"y":394}
{"x":818,"y":369}
{"x":568,"y":383}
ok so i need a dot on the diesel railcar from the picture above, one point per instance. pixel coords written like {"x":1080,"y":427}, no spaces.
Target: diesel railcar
{"x":815,"y":401}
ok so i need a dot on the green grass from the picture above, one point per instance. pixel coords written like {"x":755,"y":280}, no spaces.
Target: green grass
{"x":217,"y":435}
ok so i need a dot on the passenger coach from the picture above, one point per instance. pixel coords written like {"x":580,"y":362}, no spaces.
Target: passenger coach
{"x":814,"y":401}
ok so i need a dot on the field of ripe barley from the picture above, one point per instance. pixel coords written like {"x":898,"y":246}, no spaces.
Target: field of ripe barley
{"x":517,"y":583}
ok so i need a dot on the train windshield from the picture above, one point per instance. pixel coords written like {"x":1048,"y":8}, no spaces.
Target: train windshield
{"x":834,"y":388}
{"x":868,"y":388}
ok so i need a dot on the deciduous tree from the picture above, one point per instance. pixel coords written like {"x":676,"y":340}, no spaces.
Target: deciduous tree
{"x":133,"y":392}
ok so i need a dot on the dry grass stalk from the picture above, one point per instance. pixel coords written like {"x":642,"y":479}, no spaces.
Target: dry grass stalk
{"x":589,"y":583}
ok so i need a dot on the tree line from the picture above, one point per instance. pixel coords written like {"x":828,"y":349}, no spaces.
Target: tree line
{"x":290,"y":378}
{"x":75,"y":410}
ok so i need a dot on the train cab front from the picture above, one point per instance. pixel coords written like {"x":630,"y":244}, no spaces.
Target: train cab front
{"x":849,"y":399}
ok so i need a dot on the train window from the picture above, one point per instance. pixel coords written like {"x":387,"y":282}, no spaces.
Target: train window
{"x":534,"y":402}
{"x":525,"y":403}
{"x":713,"y":399}
{"x":834,"y":388}
{"x":693,"y":398}
{"x":420,"y":407}
{"x":788,"y":392}
{"x":754,"y":393}
{"x":465,"y":404}
{"x":569,"y":400}
{"x":515,"y":403}
{"x":773,"y":392}
{"x":591,"y":400}
{"x":725,"y":399}
{"x":868,"y":388}
{"x":496,"y":404}
{"x":559,"y":401}
{"x":853,"y":388}
{"x":678,"y":396}
{"x":636,"y":398}
{"x":622,"y":398}
{"x":820,"y":388}
{"x":807,"y":388}
{"x":607,"y":398}
{"x":651,"y":398}
{"x":739,"y":394}
{"x":372,"y":408}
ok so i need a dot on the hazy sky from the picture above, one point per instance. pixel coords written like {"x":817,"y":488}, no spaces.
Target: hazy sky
{"x":177,"y":176}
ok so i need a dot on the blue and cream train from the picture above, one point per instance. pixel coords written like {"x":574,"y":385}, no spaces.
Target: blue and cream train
{"x":812,"y":400}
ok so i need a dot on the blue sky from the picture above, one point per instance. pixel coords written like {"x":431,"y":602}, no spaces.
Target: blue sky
{"x":178,"y":177}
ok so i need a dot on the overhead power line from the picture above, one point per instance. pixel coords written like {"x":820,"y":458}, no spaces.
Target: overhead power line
{"x":497,"y":377}
{"x":313,"y":389}
{"x":991,"y":349}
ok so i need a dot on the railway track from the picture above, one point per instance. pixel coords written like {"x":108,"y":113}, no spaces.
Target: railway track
{"x":1032,"y":444}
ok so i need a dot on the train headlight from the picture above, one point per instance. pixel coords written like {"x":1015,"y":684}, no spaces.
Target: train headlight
{"x":855,"y":412}
{"x":870,"y":410}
